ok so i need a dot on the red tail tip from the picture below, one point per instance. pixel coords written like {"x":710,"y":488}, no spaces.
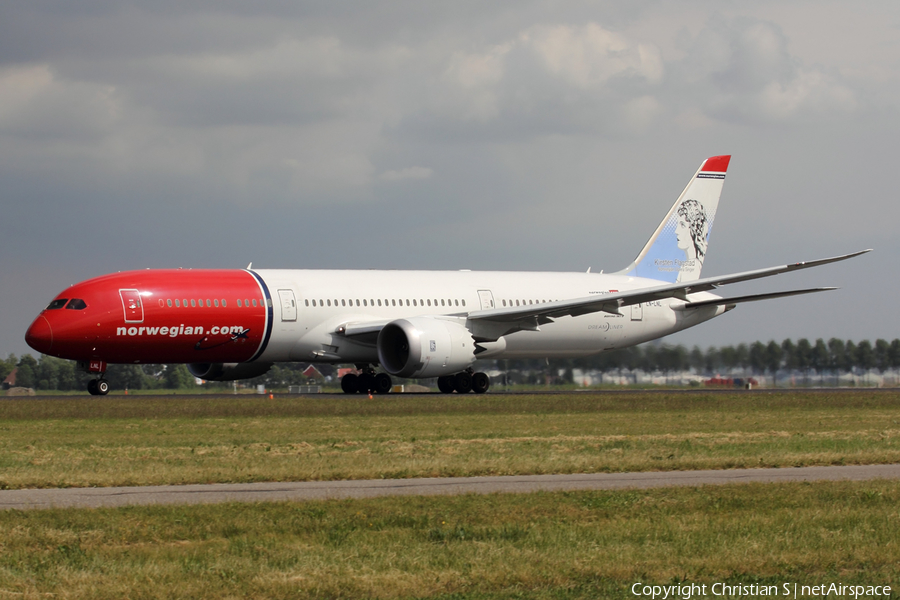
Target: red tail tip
{"x":718,"y":164}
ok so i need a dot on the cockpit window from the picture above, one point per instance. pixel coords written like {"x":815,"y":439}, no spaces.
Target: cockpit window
{"x":58,"y":303}
{"x":76,"y":304}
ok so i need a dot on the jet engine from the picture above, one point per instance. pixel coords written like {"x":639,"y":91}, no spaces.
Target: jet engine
{"x":228,"y":371}
{"x":425,"y":347}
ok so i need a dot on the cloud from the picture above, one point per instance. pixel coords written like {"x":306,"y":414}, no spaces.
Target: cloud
{"x":589,"y":56}
{"x":407,"y":173}
{"x":741,"y":71}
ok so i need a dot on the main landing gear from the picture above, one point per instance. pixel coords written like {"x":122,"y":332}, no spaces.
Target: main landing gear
{"x":464,"y":383}
{"x":98,"y":387}
{"x":367,"y":382}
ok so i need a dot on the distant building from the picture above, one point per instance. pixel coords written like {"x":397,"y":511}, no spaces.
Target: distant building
{"x":313,"y":374}
{"x":10,"y":380}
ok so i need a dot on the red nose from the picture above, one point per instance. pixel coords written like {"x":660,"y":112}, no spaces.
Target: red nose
{"x":39,"y":336}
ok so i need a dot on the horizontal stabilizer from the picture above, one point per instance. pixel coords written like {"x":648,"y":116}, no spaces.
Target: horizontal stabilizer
{"x":755,"y":297}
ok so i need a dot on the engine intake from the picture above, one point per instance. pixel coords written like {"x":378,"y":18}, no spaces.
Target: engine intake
{"x":425,"y":347}
{"x":228,"y":371}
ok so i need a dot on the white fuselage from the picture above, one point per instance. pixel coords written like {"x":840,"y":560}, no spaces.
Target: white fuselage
{"x":326,"y":300}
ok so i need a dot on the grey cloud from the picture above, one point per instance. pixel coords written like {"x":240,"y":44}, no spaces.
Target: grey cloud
{"x":512,"y":135}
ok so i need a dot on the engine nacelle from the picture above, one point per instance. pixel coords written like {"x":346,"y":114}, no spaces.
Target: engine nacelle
{"x":228,"y":371}
{"x":425,"y":347}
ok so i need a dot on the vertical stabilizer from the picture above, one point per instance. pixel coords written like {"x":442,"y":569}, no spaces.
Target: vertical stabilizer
{"x":676,"y":250}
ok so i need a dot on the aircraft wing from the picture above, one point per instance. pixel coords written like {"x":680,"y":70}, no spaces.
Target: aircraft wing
{"x":490,"y":324}
{"x":537,"y":314}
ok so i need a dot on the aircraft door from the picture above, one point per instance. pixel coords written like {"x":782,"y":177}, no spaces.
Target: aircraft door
{"x":288,"y":305}
{"x":486,"y":298}
{"x":132,"y":305}
{"x":637,"y":312}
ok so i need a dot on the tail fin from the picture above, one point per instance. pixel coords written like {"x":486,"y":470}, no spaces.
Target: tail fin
{"x":676,"y":250}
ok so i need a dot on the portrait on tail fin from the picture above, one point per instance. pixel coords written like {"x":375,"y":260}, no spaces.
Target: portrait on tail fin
{"x":676,"y":250}
{"x":692,"y":232}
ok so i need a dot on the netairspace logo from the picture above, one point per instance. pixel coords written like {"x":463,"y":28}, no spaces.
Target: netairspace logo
{"x":686,"y":591}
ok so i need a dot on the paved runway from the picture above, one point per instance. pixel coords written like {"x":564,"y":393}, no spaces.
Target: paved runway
{"x":322,"y":490}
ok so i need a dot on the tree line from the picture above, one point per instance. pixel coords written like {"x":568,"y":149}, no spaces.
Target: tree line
{"x":834,"y":356}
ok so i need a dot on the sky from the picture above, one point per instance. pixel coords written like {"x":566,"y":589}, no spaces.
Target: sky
{"x":506,"y":135}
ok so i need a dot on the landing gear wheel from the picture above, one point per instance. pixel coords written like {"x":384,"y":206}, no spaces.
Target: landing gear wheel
{"x":480,"y":383}
{"x":383,"y":383}
{"x":445,"y":384}
{"x":366,"y":383}
{"x":463,"y":382}
{"x":350,"y":383}
{"x":92,"y":387}
{"x":102,"y":387}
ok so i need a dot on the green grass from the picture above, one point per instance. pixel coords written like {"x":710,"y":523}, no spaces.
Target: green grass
{"x":159,"y":440}
{"x":543,"y":545}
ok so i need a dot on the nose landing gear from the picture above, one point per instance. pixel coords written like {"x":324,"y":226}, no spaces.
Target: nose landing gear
{"x":98,"y":387}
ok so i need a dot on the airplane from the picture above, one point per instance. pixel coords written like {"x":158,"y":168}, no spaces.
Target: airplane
{"x":229,"y":324}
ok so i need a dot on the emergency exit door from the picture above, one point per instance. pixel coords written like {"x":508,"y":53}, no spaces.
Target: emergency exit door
{"x":486,"y":298}
{"x":288,"y":305}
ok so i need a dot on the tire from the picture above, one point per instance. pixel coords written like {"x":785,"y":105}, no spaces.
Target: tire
{"x":383,"y":383}
{"x":350,"y":383}
{"x":102,"y":387}
{"x":366,"y":383}
{"x":92,"y":387}
{"x":480,"y":383}
{"x":463,"y":382}
{"x":445,"y":384}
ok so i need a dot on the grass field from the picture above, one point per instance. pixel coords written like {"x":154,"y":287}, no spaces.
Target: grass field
{"x":543,"y":545}
{"x":85,"y":441}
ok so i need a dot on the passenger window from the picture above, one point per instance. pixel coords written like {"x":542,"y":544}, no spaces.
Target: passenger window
{"x":464,"y":301}
{"x":414,"y":302}
{"x":57,"y":304}
{"x":193,"y":303}
{"x":429,"y":302}
{"x":379,"y":302}
{"x":442,"y":302}
{"x":223,"y":303}
{"x":216,"y":302}
{"x":185,"y":302}
{"x":343,"y":302}
{"x":394,"y":302}
{"x":177,"y":303}
{"x":169,"y":303}
{"x":239,"y":302}
{"x":254,"y":303}
{"x":364,"y":302}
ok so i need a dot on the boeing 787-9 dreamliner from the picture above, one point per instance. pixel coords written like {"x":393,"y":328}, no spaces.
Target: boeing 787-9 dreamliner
{"x":235,"y":323}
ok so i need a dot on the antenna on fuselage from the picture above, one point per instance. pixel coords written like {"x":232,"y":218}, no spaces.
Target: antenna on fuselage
{"x":250,"y":266}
